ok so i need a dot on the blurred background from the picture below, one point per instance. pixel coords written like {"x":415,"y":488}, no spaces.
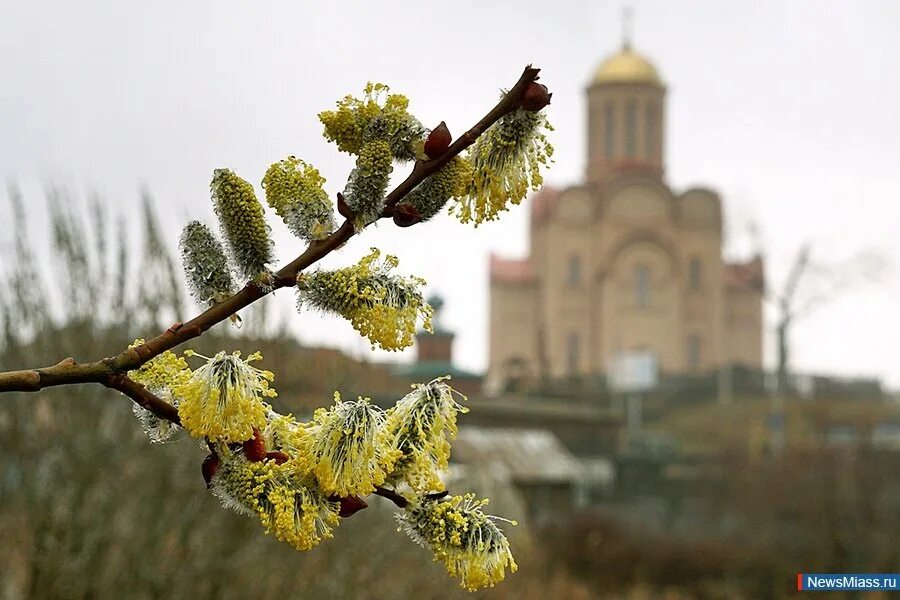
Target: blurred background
{"x":679,"y":355}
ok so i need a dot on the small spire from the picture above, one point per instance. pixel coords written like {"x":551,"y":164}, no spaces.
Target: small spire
{"x":627,"y":23}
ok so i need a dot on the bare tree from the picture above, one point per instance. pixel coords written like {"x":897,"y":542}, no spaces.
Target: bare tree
{"x":811,"y":285}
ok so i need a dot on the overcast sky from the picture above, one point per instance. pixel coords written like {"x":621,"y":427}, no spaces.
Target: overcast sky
{"x":789,"y":109}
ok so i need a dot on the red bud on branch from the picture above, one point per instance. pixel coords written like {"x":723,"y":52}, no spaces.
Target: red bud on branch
{"x":536,"y":97}
{"x":351,"y":505}
{"x":255,"y":447}
{"x":343,"y":209}
{"x":438,"y":141}
{"x":278,"y":457}
{"x":406,"y":215}
{"x":209,"y":467}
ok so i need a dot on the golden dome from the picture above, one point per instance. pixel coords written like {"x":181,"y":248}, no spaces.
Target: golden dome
{"x":627,"y":67}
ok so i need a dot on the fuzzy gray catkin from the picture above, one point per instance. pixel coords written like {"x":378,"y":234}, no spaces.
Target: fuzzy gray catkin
{"x":205,"y":264}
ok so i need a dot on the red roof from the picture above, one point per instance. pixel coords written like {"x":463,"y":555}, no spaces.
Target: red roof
{"x":505,"y":270}
{"x":745,"y":276}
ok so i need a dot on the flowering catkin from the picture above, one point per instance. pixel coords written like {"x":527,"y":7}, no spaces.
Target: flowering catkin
{"x":380,"y":305}
{"x":163,"y":376}
{"x":358,"y":121}
{"x":506,"y":162}
{"x":205,"y":264}
{"x":345,"y":453}
{"x":243,"y":224}
{"x":367,"y":185}
{"x":466,"y":540}
{"x":419,"y":427}
{"x":295,"y":190}
{"x":223,"y":399}
{"x":378,"y":131}
{"x":292,"y":512}
{"x":450,"y":181}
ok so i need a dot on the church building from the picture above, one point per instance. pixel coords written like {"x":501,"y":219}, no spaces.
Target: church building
{"x":622,"y":265}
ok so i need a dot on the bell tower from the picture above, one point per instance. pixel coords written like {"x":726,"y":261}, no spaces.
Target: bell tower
{"x":626,"y":116}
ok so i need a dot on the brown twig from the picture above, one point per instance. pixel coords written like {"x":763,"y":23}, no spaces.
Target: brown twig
{"x":401,"y":500}
{"x":111,"y":371}
{"x":143,"y":397}
{"x":391,"y":495}
{"x":423,"y":168}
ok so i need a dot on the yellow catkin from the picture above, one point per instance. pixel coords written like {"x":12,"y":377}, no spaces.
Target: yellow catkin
{"x":466,"y":540}
{"x":506,"y":162}
{"x":381,"y":306}
{"x":377,"y":115}
{"x":420,"y":427}
{"x":243,"y":224}
{"x":286,"y":508}
{"x":347,"y":455}
{"x":166,"y":371}
{"x":296,"y":191}
{"x":223,"y":399}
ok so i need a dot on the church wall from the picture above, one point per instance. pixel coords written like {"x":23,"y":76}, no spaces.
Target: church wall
{"x":538,"y":247}
{"x":513,"y":330}
{"x":639,"y":230}
{"x":704,"y":301}
{"x":699,"y":214}
{"x":567,"y":264}
{"x":744,"y":326}
{"x":643,"y":321}
{"x":590,"y":316}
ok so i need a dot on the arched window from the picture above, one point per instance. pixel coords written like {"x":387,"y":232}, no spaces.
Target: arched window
{"x":572,"y":354}
{"x":609,"y":131}
{"x":650,"y":132}
{"x":631,"y":129}
{"x":642,"y":286}
{"x":695,"y":274}
{"x":574,"y":274}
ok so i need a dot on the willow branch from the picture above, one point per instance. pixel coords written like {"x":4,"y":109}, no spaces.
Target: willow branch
{"x":423,"y":168}
{"x":111,"y":371}
{"x":401,"y":500}
{"x":391,"y":495}
{"x":143,"y":397}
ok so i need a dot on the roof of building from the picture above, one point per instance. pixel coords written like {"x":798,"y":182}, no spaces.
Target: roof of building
{"x":541,"y":409}
{"x":746,"y":275}
{"x":437,"y":331}
{"x":627,"y":66}
{"x":507,"y":270}
{"x":543,"y":203}
{"x":427,"y":370}
{"x":523,"y":455}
